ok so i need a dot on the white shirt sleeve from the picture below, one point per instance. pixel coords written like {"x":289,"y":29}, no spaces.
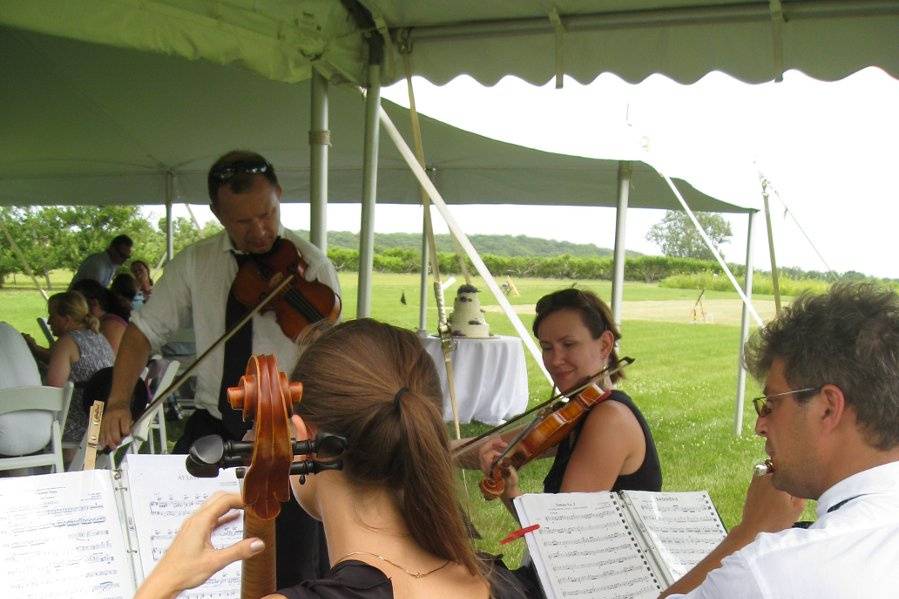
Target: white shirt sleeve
{"x":737,"y":578}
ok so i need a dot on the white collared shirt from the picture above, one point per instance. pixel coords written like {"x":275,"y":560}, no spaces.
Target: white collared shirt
{"x":851,"y":552}
{"x":193,"y":293}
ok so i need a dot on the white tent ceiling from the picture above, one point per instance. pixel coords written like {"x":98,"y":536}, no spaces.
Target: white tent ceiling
{"x":92,"y":124}
{"x":752,"y":40}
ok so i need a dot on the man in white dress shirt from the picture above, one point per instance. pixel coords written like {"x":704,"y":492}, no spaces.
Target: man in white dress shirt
{"x":195,"y":292}
{"x":830,"y":418}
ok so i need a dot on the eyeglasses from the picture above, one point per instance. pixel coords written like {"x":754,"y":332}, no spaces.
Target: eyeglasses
{"x":226,"y":172}
{"x":763,"y":406}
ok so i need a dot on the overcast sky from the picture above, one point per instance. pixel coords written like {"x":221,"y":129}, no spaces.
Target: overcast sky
{"x":829,"y":150}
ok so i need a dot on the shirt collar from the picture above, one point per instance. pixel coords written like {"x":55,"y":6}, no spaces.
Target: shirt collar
{"x":228,"y":246}
{"x":879,"y":479}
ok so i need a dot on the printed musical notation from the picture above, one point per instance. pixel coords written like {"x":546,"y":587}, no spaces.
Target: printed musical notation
{"x":682,"y":527}
{"x":168,"y":496}
{"x":584,"y":548}
{"x":67,"y":525}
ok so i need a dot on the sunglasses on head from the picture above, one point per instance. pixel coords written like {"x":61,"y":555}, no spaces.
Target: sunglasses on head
{"x":228,"y":171}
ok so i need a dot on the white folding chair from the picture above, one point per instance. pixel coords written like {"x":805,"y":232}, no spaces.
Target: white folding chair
{"x":36,"y":402}
{"x":157,"y":421}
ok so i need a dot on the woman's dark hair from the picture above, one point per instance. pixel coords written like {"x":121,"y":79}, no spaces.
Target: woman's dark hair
{"x":595,"y":314}
{"x":123,"y":289}
{"x":377,"y":386}
{"x":93,"y":290}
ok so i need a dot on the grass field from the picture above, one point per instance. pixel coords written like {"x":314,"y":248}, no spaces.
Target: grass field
{"x":684,"y":381}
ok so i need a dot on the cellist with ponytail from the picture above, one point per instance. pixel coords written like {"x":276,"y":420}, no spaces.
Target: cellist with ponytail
{"x":392,"y":520}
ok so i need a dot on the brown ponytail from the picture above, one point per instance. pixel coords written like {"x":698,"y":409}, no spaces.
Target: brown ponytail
{"x":376,"y":385}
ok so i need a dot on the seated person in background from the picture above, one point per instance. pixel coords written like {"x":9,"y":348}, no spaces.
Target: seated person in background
{"x":80,"y":351}
{"x":124,"y":290}
{"x":110,"y":311}
{"x":393,"y":523}
{"x":611,"y":448}
{"x":141,"y":273}
{"x":102,"y":266}
{"x":830,"y":418}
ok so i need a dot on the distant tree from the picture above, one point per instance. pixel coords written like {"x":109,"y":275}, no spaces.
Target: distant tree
{"x":676,"y":236}
{"x":184,"y":233}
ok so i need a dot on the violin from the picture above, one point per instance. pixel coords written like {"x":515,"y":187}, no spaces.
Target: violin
{"x":302,"y":302}
{"x":550,"y":428}
{"x":264,"y":395}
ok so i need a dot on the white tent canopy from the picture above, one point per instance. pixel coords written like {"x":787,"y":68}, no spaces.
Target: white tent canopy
{"x":92,"y":124}
{"x":753,"y":40}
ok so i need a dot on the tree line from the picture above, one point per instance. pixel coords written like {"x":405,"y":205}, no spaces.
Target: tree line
{"x":59,"y":237}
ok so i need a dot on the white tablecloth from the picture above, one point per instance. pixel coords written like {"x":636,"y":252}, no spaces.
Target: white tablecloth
{"x":490,"y":375}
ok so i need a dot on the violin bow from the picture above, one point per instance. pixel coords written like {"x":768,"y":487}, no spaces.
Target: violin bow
{"x":608,"y":370}
{"x":188,"y":372}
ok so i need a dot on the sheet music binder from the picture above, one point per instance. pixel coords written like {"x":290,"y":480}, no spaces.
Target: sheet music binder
{"x":96,"y":534}
{"x":611,"y":545}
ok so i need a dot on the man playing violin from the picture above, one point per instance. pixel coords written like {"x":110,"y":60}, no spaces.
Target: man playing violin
{"x":830,"y":419}
{"x":196,"y":292}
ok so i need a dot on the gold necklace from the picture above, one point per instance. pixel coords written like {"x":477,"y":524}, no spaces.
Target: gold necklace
{"x":393,"y":563}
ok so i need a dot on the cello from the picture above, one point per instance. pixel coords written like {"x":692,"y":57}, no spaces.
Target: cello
{"x":265,"y":395}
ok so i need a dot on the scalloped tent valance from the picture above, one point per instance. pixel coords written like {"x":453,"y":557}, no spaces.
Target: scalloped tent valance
{"x":283,"y":40}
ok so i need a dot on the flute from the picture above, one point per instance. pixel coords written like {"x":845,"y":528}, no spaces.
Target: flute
{"x":763,"y":468}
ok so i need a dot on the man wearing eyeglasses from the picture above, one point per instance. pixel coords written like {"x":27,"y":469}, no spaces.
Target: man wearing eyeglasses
{"x":195,"y":292}
{"x":830,"y":419}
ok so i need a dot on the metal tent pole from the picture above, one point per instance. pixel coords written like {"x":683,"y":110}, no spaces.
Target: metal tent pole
{"x":319,"y":140}
{"x":423,"y":285}
{"x":624,"y":186}
{"x":369,"y":190}
{"x":169,"y":225}
{"x":744,"y":332}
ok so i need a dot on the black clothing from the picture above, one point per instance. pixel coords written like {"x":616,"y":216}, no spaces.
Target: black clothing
{"x":353,"y":579}
{"x":648,"y":477}
{"x":301,"y":550}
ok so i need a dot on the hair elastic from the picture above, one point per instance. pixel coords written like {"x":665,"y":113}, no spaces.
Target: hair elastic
{"x":398,"y":396}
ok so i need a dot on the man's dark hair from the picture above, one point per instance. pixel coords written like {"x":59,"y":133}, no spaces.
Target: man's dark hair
{"x":237,"y":170}
{"x":848,"y":337}
{"x":121,"y":240}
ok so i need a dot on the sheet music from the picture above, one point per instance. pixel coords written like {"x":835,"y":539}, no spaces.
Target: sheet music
{"x":62,"y":538}
{"x":583,"y":547}
{"x":682,"y":528}
{"x":163,"y":494}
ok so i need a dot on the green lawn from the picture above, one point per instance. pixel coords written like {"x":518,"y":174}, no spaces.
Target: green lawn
{"x":684,"y":381}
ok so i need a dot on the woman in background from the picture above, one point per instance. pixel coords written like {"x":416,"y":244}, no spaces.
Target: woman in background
{"x":141,"y":273}
{"x":80,"y":351}
{"x":393,"y":523}
{"x":106,"y":308}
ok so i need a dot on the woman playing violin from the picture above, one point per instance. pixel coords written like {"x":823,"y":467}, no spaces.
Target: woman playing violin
{"x":392,"y":520}
{"x":611,"y":448}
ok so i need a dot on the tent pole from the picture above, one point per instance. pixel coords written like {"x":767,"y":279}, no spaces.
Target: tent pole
{"x":319,"y":140}
{"x":423,"y":285}
{"x":744,"y":332}
{"x":423,"y":180}
{"x":169,"y":225}
{"x":369,"y":190}
{"x":775,"y":278}
{"x":624,"y":187}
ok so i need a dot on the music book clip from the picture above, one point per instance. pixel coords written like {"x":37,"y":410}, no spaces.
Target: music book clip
{"x":517,"y":534}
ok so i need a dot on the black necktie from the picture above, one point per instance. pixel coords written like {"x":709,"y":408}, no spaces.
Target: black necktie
{"x":237,"y":352}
